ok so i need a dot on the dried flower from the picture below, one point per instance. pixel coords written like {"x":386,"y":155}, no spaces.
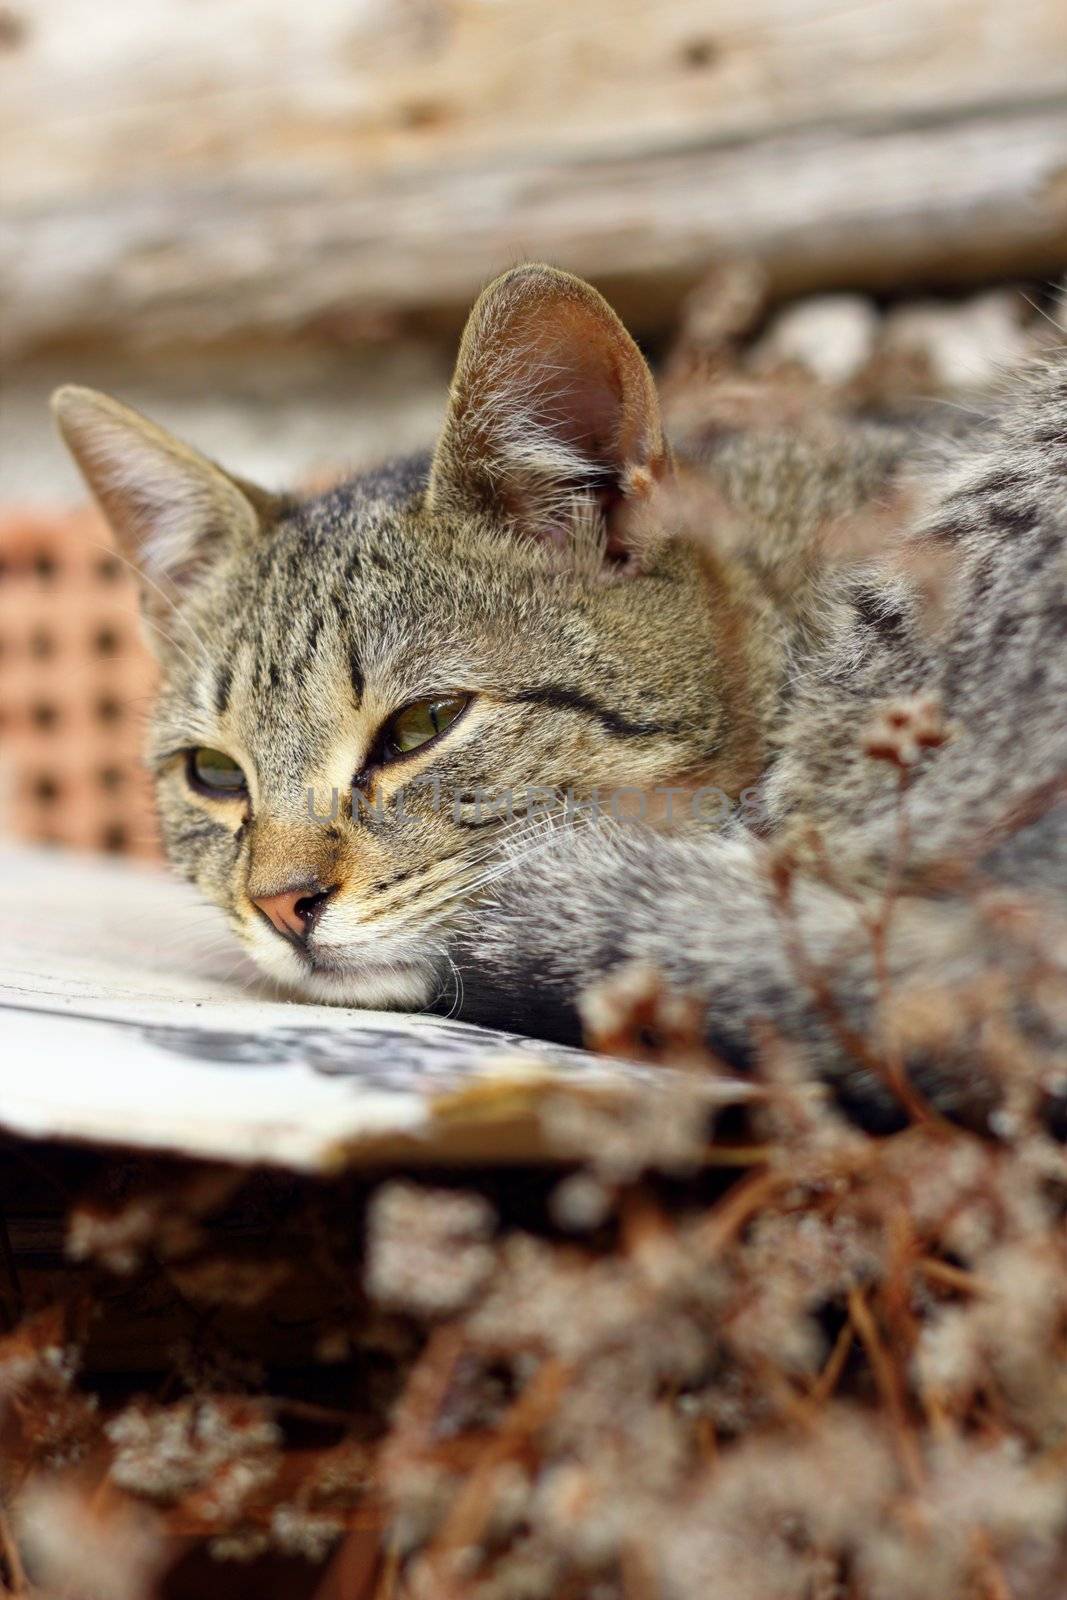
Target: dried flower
{"x":226,"y":1448}
{"x":427,"y":1249}
{"x":906,"y":728}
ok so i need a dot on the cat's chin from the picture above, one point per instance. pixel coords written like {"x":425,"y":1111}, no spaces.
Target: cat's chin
{"x":393,"y":987}
{"x":401,"y":983}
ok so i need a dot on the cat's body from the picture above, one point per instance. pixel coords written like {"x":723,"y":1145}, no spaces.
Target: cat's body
{"x":585,"y":623}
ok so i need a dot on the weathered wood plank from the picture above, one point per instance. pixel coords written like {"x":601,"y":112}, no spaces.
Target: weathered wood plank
{"x":865,"y":201}
{"x":132,"y":92}
{"x":189,"y":172}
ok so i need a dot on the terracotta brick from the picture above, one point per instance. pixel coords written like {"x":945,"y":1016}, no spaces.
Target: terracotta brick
{"x":76,"y":685}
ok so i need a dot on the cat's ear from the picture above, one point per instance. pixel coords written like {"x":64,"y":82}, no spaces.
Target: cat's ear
{"x":172,"y":511}
{"x":552,"y":406}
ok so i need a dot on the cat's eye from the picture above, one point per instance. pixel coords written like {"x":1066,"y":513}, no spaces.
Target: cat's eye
{"x":420,"y":722}
{"x":214,"y":772}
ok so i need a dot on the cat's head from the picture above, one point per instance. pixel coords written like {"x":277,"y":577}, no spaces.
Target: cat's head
{"x":354,"y":684}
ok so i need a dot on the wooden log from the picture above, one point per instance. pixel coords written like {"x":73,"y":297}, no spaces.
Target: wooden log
{"x":950,"y":198}
{"x":129,"y":94}
{"x":173,"y":173}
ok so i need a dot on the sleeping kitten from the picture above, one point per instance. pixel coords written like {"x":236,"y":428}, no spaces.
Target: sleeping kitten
{"x":391,"y":713}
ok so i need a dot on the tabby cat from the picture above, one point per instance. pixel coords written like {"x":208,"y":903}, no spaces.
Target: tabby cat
{"x":408,"y":728}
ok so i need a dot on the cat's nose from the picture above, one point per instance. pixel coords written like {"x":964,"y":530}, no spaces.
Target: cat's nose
{"x":295,"y":911}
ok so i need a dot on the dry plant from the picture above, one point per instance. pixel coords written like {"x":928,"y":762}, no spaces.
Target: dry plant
{"x":775,"y":1357}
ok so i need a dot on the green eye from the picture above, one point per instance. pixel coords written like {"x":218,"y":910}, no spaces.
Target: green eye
{"x":420,"y":722}
{"x":213,"y":772}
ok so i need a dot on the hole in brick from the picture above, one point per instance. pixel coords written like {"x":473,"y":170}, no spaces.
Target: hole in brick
{"x":110,"y":778}
{"x":108,"y":709}
{"x":109,"y":569}
{"x":114,"y":838}
{"x":44,"y":715}
{"x":46,"y":789}
{"x":42,"y":644}
{"x":45,"y":566}
{"x":105,"y":641}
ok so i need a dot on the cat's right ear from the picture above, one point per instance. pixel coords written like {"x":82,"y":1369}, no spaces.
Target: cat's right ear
{"x":173,"y":512}
{"x":552,"y":407}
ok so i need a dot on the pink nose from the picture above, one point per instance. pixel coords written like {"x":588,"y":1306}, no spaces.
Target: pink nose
{"x":294,"y":912}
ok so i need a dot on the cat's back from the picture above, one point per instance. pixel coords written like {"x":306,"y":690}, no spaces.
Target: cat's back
{"x":970,"y":608}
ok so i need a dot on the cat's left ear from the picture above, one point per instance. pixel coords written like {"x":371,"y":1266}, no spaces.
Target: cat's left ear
{"x":172,"y":511}
{"x":552,"y":407}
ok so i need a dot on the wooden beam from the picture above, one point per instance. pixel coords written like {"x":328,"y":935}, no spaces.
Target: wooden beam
{"x":198,"y":175}
{"x":864,"y":202}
